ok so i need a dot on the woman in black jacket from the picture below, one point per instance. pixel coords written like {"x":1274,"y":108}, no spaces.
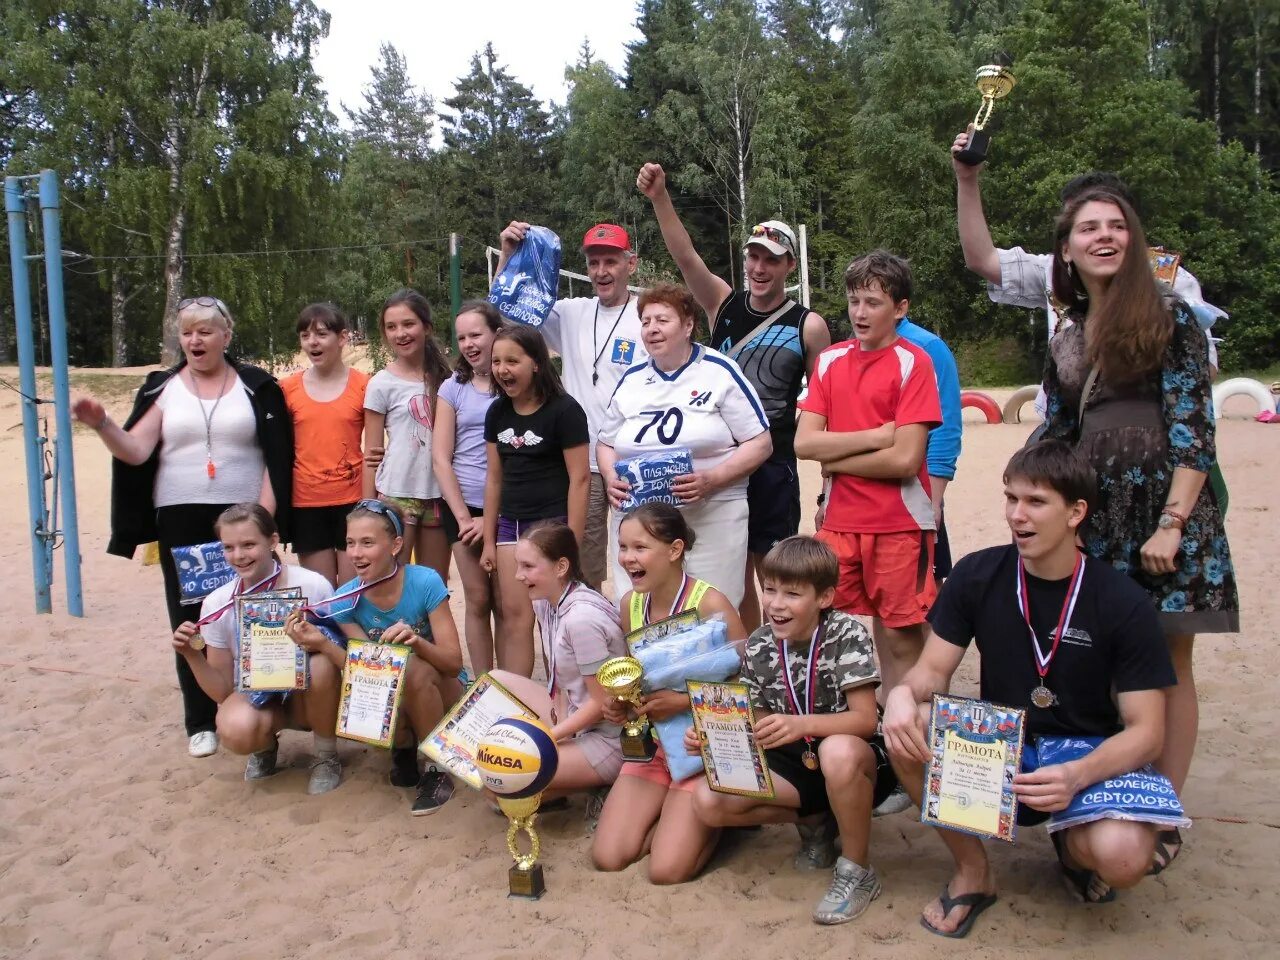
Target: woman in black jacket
{"x":203,"y":435}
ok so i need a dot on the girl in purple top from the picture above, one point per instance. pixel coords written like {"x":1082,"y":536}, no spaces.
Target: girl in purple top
{"x":580,"y":630}
{"x":458,"y":457}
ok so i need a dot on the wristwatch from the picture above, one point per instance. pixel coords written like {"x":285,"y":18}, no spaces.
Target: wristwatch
{"x":1171,"y":521}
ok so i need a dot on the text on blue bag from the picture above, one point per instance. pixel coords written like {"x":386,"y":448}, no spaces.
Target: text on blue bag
{"x":202,"y":568}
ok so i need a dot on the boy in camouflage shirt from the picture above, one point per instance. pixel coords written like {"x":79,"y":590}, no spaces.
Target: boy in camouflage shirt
{"x":816,"y":719}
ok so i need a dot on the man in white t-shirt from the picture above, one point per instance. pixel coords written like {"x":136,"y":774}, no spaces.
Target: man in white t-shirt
{"x":1020,"y":279}
{"x":597,"y":338}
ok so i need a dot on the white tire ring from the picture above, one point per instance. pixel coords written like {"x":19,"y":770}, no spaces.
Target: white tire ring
{"x":1021,"y":397}
{"x":1246,"y":387}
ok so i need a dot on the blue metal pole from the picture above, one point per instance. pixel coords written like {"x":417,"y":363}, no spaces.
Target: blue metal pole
{"x":27,"y":381}
{"x":50,"y":209}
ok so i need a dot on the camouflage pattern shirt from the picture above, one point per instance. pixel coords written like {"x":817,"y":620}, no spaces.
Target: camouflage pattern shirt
{"x":846,"y":659}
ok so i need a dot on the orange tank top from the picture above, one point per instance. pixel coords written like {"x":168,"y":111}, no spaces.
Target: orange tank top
{"x":327,"y":458}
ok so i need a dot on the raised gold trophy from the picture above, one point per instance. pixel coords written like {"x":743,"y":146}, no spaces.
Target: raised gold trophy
{"x":621,"y":677}
{"x":525,"y":879}
{"x":994,"y":83}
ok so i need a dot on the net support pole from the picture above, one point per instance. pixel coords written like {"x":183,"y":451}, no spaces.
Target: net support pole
{"x":804,"y":266}
{"x":50,"y":209}
{"x":455,"y":282}
{"x":13,"y":206}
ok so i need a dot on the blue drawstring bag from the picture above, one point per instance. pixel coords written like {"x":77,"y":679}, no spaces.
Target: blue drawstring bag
{"x":1143,"y":796}
{"x":526,"y":289}
{"x":202,"y":568}
{"x":699,"y":652}
{"x":650,"y":476}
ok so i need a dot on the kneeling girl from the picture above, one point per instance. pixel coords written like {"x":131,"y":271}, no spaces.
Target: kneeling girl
{"x":250,"y":723}
{"x":646,"y":810}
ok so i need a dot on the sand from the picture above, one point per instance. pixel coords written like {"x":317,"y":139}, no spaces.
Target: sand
{"x":113,"y":843}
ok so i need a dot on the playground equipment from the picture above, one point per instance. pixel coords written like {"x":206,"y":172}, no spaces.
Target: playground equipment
{"x":1243,"y":387}
{"x":59,"y":471}
{"x":1012,"y":412}
{"x":980,"y":401}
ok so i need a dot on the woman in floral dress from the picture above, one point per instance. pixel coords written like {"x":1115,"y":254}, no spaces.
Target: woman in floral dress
{"x":1148,"y":430}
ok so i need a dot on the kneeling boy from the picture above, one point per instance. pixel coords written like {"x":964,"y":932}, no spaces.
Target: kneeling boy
{"x":812,"y":674}
{"x":1058,"y":632}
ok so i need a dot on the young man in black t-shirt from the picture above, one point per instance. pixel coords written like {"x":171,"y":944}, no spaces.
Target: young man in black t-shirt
{"x":1005,"y":598}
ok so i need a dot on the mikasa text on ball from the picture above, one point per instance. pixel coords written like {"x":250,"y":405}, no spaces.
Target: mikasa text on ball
{"x":517,"y":757}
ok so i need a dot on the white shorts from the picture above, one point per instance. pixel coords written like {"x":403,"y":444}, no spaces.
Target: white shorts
{"x":719,"y":555}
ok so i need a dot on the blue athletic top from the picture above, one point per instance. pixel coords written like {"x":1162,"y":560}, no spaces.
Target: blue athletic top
{"x":944,"y":440}
{"x":422,"y":592}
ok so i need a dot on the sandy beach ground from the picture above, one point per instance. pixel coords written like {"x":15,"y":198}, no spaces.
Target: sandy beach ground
{"x":113,"y":843}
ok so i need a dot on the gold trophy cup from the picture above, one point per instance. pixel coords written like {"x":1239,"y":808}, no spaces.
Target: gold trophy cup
{"x":621,"y":677}
{"x":524,"y":880}
{"x":994,"y":83}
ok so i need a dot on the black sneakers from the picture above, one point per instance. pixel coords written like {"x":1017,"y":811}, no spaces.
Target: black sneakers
{"x":434,"y":790}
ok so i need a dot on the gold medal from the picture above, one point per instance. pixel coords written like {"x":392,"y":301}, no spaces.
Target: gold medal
{"x":196,"y":642}
{"x":809,"y":759}
{"x":1043,"y":697}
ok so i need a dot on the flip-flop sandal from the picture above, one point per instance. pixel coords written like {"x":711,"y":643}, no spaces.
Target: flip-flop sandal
{"x":1081,"y":882}
{"x":976,"y":902}
{"x":1168,"y":846}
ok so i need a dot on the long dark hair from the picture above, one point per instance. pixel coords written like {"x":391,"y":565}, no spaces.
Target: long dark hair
{"x":435,"y":365}
{"x":462,"y":371}
{"x":556,"y":542}
{"x":664,"y":523}
{"x":1128,"y":333}
{"x":546,"y":382}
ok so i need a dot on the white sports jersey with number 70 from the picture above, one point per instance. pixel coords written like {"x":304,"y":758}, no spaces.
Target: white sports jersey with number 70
{"x":706,"y":405}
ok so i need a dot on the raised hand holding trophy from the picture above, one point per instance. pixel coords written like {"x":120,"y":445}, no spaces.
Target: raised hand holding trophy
{"x":994,"y":82}
{"x":621,"y":677}
{"x":517,"y":759}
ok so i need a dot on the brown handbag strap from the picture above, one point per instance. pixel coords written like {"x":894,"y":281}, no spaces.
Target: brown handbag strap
{"x":1089,"y":381}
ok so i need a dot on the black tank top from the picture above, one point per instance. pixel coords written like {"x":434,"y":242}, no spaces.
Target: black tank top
{"x":773,"y":361}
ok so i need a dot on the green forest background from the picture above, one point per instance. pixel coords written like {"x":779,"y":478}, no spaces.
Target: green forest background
{"x":196,"y":146}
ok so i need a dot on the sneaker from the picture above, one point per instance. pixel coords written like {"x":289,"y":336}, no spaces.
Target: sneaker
{"x":817,"y":845}
{"x":263,"y":763}
{"x":895,"y":802}
{"x":595,"y":806}
{"x":203,"y":744}
{"x":434,"y":790}
{"x":852,"y":890}
{"x":326,"y":773}
{"x":404,"y":767}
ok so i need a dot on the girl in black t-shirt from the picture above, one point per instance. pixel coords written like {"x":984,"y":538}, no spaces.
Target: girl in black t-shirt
{"x":536,"y":437}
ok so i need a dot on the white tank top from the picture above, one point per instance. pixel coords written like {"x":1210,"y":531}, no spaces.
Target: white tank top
{"x":183,"y":476}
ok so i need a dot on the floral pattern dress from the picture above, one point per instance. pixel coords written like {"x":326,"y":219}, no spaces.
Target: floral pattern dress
{"x":1135,"y":435}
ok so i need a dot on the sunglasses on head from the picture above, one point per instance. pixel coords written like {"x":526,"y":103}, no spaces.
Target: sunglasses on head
{"x":382,"y":510}
{"x":206,"y":302}
{"x":772,"y":233}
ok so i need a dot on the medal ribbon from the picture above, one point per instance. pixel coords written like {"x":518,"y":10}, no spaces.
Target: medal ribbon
{"x":1064,"y":618}
{"x":549,"y":646}
{"x":811,"y":674}
{"x":347,"y":595}
{"x":681,"y":596}
{"x":264,"y":584}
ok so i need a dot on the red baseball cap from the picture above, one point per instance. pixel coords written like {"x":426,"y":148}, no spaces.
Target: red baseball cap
{"x":606,"y":235}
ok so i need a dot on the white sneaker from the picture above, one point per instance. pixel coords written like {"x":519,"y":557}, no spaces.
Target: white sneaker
{"x":203,"y":744}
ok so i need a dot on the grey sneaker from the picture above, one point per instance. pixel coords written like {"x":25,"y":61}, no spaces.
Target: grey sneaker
{"x":434,"y":790}
{"x":895,"y":802}
{"x":263,"y":763}
{"x":326,"y":773}
{"x":817,"y":845}
{"x":595,"y":806}
{"x":852,"y":890}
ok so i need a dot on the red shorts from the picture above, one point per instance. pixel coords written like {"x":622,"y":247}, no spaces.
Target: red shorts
{"x":885,"y":575}
{"x":655,"y":771}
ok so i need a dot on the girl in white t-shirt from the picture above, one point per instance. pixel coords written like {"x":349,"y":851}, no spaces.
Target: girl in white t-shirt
{"x":580,"y":631}
{"x":251,"y":723}
{"x":399,"y":418}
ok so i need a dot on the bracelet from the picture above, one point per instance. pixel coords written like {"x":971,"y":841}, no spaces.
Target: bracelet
{"x":822,"y":498}
{"x":106,"y":418}
{"x":1180,"y":517}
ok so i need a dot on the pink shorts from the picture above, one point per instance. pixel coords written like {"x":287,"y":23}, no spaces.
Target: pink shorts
{"x":655,"y":771}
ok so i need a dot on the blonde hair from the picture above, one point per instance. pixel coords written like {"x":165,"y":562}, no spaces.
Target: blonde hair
{"x":195,"y":311}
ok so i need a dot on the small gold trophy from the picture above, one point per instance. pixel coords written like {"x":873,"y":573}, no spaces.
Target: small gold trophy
{"x":525,"y":879}
{"x":621,"y":677}
{"x":994,"y":82}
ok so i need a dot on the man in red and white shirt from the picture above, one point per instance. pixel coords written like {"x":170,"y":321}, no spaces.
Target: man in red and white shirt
{"x":866,"y":418}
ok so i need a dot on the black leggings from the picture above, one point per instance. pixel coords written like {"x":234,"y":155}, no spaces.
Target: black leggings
{"x":181,"y":526}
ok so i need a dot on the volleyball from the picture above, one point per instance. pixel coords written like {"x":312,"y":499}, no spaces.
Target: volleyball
{"x":517,"y":757}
